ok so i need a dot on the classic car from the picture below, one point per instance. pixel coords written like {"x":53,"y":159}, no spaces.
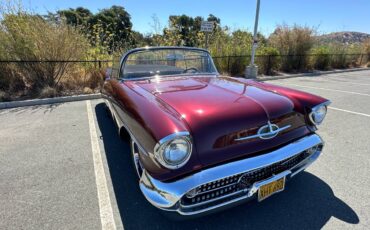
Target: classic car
{"x":200,"y":141}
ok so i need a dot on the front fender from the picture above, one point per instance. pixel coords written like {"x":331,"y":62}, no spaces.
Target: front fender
{"x":148,"y":120}
{"x":302,"y":100}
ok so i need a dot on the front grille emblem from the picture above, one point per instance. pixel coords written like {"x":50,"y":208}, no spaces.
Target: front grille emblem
{"x":265,"y":132}
{"x":244,"y":182}
{"x":268,"y":131}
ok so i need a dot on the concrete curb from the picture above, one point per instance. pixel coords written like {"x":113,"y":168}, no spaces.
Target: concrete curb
{"x":15,"y":104}
{"x":317,"y":73}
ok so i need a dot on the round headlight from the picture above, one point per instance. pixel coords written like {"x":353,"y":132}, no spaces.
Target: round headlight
{"x":174,"y":152}
{"x":318,"y":114}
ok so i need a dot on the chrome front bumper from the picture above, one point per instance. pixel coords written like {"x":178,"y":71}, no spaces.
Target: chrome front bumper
{"x":167,"y":196}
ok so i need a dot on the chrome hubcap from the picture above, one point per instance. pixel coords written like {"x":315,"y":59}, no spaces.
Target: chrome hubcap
{"x":136,"y":159}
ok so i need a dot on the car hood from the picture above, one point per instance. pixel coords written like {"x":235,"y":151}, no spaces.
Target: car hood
{"x":219,"y":110}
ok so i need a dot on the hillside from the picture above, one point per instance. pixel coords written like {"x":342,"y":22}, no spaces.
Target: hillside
{"x":344,"y":37}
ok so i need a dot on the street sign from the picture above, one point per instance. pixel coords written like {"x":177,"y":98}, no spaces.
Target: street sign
{"x":207,"y":26}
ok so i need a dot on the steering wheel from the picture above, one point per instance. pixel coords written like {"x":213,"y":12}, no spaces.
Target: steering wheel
{"x":193,"y":69}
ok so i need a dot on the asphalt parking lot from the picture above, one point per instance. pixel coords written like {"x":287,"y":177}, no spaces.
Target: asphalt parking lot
{"x":63,"y":166}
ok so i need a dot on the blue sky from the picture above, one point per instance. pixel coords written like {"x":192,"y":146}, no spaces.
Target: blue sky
{"x":326,"y":15}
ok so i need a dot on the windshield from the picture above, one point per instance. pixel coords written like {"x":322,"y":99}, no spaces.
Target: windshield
{"x":161,"y":62}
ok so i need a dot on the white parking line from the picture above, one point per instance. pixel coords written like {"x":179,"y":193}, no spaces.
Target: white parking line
{"x":348,"y":111}
{"x":105,"y":207}
{"x":333,"y":80}
{"x":334,"y":90}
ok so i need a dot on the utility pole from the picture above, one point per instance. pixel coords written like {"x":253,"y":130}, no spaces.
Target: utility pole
{"x":252,"y":70}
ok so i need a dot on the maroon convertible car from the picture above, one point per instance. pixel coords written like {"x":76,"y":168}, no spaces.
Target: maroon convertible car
{"x":200,"y":141}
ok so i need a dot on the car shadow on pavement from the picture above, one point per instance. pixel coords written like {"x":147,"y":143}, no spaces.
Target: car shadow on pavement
{"x":307,"y":203}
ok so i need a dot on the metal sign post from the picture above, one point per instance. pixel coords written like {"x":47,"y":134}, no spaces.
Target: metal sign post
{"x":207,"y":27}
{"x":252,"y":70}
{"x":206,"y":40}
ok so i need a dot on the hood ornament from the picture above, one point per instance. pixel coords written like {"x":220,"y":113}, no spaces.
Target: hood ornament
{"x":268,"y":131}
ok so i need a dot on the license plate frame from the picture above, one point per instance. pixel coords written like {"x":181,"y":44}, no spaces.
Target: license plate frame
{"x":271,"y":188}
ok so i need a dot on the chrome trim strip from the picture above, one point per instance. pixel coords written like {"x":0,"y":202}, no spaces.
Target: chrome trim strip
{"x":181,"y":212}
{"x":263,"y":135}
{"x":217,"y":188}
{"x":210,"y":201}
{"x":198,"y":75}
{"x":173,"y":136}
{"x":166,"y":196}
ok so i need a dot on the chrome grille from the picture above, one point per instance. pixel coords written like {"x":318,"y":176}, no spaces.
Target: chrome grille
{"x":229,"y":188}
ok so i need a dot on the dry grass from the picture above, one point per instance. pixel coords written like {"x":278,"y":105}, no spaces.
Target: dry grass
{"x":4,"y":96}
{"x":48,"y":92}
{"x":79,"y":77}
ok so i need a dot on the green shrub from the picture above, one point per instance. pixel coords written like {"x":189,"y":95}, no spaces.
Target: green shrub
{"x":354,"y":57}
{"x":366,"y":51}
{"x":344,"y":55}
{"x":320,"y":58}
{"x":268,"y":60}
{"x":294,"y":43}
{"x":232,"y":49}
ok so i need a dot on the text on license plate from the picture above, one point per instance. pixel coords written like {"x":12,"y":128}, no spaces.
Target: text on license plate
{"x":269,"y":189}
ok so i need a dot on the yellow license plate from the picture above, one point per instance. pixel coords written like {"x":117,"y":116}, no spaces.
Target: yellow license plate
{"x":271,"y":188}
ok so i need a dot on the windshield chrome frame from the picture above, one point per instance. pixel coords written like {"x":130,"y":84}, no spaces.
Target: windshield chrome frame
{"x":128,"y":53}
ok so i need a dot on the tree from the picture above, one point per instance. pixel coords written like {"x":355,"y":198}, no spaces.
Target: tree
{"x":212,"y":18}
{"x":111,"y":27}
{"x":116,"y":24}
{"x":187,"y":28}
{"x":141,"y":40}
{"x":182,"y":25}
{"x":75,"y":17}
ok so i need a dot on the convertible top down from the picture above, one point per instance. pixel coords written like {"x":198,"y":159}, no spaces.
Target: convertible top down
{"x":201,"y":141}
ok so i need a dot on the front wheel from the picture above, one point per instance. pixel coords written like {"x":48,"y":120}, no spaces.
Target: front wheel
{"x":136,"y":159}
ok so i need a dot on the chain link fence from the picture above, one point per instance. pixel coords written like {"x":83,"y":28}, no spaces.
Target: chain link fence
{"x":271,"y":64}
{"x":29,"y":79}
{"x":85,"y":76}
